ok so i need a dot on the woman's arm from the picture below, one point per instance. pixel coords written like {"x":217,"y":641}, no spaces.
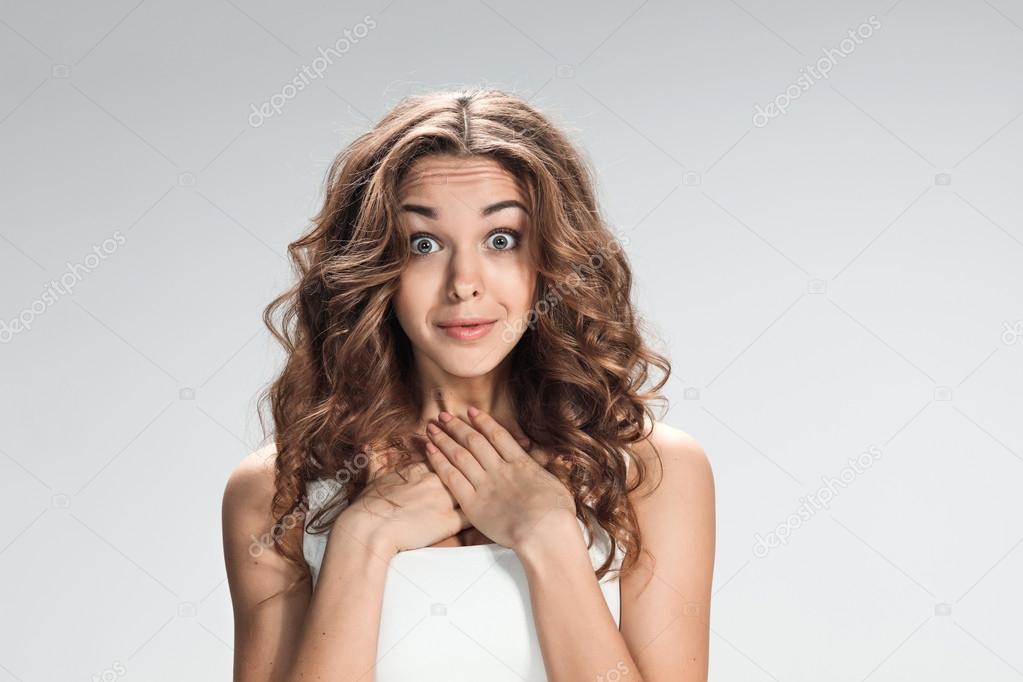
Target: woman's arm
{"x":342,"y":628}
{"x":299,"y":634}
{"x":265,"y":634}
{"x":665,"y":608}
{"x":666,"y":604}
{"x":578,"y":636}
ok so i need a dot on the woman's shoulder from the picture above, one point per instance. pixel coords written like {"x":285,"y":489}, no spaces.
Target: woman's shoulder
{"x":248,"y":495}
{"x":252,"y":478}
{"x":670,"y":452}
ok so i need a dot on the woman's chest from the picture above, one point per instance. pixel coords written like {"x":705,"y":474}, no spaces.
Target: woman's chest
{"x":466,"y":538}
{"x":461,"y":614}
{"x":458,"y":613}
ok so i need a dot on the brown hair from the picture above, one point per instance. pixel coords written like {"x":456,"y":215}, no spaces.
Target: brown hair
{"x":577,"y":372}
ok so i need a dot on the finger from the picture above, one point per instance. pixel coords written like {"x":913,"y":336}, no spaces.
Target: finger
{"x":379,"y":461}
{"x":374,"y":463}
{"x":482,"y":456}
{"x":472,"y":440}
{"x":516,"y":431}
{"x":523,"y":441}
{"x":520,"y":436}
{"x":451,"y":476}
{"x":502,"y":439}
{"x":418,"y":470}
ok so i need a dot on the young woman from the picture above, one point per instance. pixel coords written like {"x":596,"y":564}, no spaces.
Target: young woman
{"x":466,"y":480}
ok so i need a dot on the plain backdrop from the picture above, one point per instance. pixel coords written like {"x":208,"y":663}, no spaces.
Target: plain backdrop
{"x":827,"y":237}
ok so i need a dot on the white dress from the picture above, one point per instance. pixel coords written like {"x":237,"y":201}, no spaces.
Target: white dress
{"x":457,"y":613}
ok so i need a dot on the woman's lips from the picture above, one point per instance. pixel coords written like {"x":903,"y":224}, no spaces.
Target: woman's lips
{"x":469,"y":332}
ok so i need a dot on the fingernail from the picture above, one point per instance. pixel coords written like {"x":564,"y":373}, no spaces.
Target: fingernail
{"x":445,"y":417}
{"x":433,"y":428}
{"x":473,"y":411}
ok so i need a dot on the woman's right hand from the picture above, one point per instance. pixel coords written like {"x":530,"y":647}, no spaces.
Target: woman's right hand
{"x":393,"y":515}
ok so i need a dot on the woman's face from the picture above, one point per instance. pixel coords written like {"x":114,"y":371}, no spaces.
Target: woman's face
{"x":467,"y":224}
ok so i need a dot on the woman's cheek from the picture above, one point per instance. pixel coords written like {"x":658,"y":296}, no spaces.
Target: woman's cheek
{"x":525,"y":290}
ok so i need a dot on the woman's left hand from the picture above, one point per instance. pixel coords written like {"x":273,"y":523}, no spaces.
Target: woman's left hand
{"x":505,"y":493}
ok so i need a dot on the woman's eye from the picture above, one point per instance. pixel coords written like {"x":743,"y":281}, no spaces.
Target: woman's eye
{"x":420,"y":245}
{"x":505,"y":240}
{"x":499,"y":240}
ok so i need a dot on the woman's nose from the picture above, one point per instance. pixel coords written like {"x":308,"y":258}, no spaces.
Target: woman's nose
{"x":466,"y":282}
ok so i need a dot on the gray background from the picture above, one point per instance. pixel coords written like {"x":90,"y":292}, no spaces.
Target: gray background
{"x":846,"y":277}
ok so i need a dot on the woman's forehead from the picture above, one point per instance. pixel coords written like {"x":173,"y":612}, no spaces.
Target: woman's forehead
{"x":430,"y":174}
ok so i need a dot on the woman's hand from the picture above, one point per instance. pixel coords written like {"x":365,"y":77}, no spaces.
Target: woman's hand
{"x":503,"y":491}
{"x":394,"y":515}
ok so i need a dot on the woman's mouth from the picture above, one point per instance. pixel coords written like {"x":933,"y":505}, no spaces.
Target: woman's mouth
{"x":467,"y":330}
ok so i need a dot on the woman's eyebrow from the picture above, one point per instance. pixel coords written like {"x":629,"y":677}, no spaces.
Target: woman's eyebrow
{"x":430,"y":213}
{"x":501,"y":205}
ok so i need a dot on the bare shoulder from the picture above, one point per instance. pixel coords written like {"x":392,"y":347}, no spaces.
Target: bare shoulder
{"x":671,"y":455}
{"x":251,"y":479}
{"x":675,"y":512}
{"x":247,"y":500}
{"x":250,"y":487}
{"x":269,"y":593}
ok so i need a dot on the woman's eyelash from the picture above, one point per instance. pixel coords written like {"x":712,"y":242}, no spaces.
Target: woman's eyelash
{"x":417,"y":236}
{"x":515,"y":234}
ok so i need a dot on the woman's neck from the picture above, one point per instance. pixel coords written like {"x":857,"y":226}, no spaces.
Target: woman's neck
{"x":442,"y":392}
{"x":457,"y":402}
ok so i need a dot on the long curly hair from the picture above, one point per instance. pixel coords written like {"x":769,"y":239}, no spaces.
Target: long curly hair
{"x":349,"y":384}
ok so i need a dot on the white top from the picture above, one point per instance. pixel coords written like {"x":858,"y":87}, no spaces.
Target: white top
{"x":457,"y":613}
